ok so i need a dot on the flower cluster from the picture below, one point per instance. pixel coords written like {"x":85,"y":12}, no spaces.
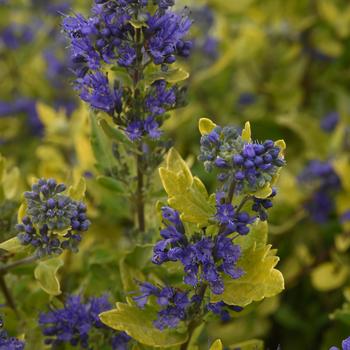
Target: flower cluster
{"x":15,"y":35}
{"x":260,"y":206}
{"x":203,"y":257}
{"x":230,"y":219}
{"x":250,"y":165}
{"x":174,"y":304}
{"x":204,"y":43}
{"x":221,"y":309}
{"x":53,"y":220}
{"x":76,"y":322}
{"x":113,"y":36}
{"x":345,"y":345}
{"x":10,"y":343}
{"x":324,"y":181}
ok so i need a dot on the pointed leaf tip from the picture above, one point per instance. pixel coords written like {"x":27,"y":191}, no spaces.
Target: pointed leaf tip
{"x":205,"y":126}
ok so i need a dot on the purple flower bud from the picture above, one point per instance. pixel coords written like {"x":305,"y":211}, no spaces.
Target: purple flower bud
{"x":248,"y":151}
{"x":268,"y":144}
{"x":248,"y":164}
{"x":220,"y":163}
{"x":239,"y":175}
{"x":238,"y":159}
{"x":51,"y":203}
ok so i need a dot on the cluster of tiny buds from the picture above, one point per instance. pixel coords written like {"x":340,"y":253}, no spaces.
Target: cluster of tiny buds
{"x":53,"y":221}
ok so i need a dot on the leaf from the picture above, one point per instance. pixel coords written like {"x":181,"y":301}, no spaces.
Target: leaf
{"x":253,"y":344}
{"x":186,"y":194}
{"x":21,"y":212}
{"x":246,"y":133}
{"x":46,"y":274}
{"x":172,"y":76}
{"x":282,"y":145}
{"x":77,"y":191}
{"x":111,"y":184}
{"x":217,"y":345}
{"x":257,"y":236}
{"x":102,"y":147}
{"x":263,"y":192}
{"x":13,"y":245}
{"x":329,"y":276}
{"x":205,"y":126}
{"x":261,"y":279}
{"x":114,"y":133}
{"x":342,"y":314}
{"x":138,"y":323}
{"x":11,"y":183}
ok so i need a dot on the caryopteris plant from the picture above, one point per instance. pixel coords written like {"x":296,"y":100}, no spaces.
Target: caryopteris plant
{"x":209,"y":259}
{"x":213,"y":247}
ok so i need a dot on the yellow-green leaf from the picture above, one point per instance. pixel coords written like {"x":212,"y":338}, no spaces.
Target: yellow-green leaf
{"x":329,"y":276}
{"x":138,"y":323}
{"x":246,"y":133}
{"x":186,"y":193}
{"x":263,"y":192}
{"x":205,"y":126}
{"x":261,"y":279}
{"x":13,"y":245}
{"x":217,"y":345}
{"x":78,"y":190}
{"x":46,"y":274}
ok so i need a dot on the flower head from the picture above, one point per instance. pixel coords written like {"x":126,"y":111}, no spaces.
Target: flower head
{"x":203,"y":258}
{"x":53,"y":220}
{"x":75,"y":322}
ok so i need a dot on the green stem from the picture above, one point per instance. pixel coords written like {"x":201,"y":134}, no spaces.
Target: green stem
{"x":140,"y":202}
{"x":197,"y":319}
{"x":7,"y":294}
{"x":28,"y":260}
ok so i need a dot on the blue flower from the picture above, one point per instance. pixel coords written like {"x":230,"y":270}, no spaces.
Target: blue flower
{"x":74,"y":323}
{"x":164,"y":36}
{"x":94,"y":89}
{"x":203,"y":258}
{"x":10,"y":343}
{"x":250,"y":165}
{"x":49,"y":211}
{"x":173,"y":303}
{"x":15,"y":35}
{"x":261,"y":206}
{"x":345,"y":345}
{"x":221,"y":309}
{"x":324,"y":182}
{"x":160,"y":99}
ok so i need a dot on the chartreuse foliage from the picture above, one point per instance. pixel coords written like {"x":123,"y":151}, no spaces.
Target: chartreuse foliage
{"x":189,"y":197}
{"x":261,"y":279}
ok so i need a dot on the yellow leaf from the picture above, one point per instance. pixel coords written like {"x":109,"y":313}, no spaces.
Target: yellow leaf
{"x":11,"y":183}
{"x":186,"y":194}
{"x":260,"y":279}
{"x":205,"y":126}
{"x":21,"y":212}
{"x":13,"y":245}
{"x":263,"y":192}
{"x":46,"y":274}
{"x":246,"y":133}
{"x":217,"y":345}
{"x":329,"y":276}
{"x":77,"y":191}
{"x":138,"y":323}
